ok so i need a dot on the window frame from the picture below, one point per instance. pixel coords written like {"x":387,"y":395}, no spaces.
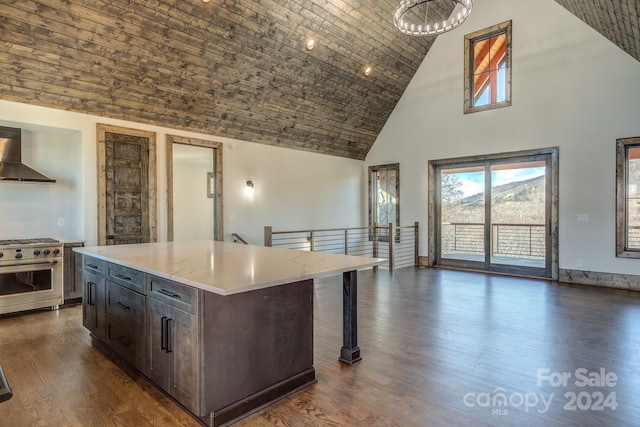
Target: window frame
{"x":552,"y":270}
{"x":374,"y":169}
{"x":469,"y":40}
{"x":622,"y":172}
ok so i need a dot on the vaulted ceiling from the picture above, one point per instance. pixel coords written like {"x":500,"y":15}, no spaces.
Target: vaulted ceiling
{"x":617,"y":20}
{"x":234,"y":68}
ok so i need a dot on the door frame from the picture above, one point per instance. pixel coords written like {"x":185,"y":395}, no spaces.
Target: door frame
{"x":101,"y":131}
{"x":552,"y":220}
{"x":218,"y":227}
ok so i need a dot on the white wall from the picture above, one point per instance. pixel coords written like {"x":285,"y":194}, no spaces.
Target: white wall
{"x":34,"y":209}
{"x":571,"y":88}
{"x":294,"y":189}
{"x":193,"y":211}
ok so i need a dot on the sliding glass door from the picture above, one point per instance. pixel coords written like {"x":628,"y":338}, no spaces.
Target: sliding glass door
{"x":495,"y":213}
{"x":462,"y":215}
{"x":519,"y":214}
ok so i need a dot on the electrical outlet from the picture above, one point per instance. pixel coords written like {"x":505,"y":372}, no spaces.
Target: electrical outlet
{"x":583,"y":217}
{"x":60,"y":222}
{"x":580,"y":263}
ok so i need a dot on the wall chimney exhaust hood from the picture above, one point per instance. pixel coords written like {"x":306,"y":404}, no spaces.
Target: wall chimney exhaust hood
{"x":11,"y":166}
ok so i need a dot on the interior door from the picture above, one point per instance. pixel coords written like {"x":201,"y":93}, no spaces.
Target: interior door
{"x":126,"y":187}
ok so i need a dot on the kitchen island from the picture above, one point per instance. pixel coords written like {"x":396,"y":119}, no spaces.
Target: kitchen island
{"x":223,"y":328}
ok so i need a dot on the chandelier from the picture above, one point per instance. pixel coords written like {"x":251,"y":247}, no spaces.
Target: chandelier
{"x":431,"y":17}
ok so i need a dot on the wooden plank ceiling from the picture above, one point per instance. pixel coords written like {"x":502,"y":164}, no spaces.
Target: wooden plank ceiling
{"x":233,"y":68}
{"x":617,"y":20}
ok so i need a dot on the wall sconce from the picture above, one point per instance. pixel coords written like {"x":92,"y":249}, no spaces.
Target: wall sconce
{"x":249,"y":190}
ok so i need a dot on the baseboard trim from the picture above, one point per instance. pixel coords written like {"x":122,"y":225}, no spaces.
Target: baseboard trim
{"x":260,"y":400}
{"x":595,"y":278}
{"x":423,"y":262}
{"x":579,"y":277}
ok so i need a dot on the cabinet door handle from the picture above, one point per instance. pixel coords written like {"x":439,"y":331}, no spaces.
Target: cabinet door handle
{"x":163,"y":333}
{"x":120,"y":276}
{"x":124,"y":341}
{"x":169,"y":294}
{"x":90,"y":293}
{"x":123,"y":306}
{"x":169,"y":335}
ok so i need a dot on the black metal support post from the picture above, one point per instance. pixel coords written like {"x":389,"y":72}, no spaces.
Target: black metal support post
{"x":5,"y":390}
{"x":350,"y":352}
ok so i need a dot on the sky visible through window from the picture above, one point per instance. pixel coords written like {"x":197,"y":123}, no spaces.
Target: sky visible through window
{"x":473,"y":182}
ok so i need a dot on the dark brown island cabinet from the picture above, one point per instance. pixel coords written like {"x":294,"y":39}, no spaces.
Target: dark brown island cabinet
{"x":220,"y":356}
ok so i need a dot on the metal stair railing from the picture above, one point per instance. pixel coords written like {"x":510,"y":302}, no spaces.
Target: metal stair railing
{"x":374,"y":241}
{"x":238,"y":239}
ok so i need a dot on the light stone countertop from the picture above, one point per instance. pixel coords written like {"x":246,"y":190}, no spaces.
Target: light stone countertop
{"x":227,"y":268}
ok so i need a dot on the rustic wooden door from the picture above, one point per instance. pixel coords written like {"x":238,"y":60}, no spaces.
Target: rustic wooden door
{"x":126,"y":199}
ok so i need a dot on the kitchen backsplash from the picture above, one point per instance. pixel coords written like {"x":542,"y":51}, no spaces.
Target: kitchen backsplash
{"x":30,"y":209}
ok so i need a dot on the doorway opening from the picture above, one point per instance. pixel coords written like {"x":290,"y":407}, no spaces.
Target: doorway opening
{"x":194,"y":189}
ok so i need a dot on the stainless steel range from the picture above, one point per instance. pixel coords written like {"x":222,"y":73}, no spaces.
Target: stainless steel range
{"x":30,"y":274}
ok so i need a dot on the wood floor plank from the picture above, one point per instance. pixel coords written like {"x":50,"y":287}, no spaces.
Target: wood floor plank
{"x":434,"y":344}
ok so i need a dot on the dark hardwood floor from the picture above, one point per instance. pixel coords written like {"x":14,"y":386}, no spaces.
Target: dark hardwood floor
{"x":439,"y":349}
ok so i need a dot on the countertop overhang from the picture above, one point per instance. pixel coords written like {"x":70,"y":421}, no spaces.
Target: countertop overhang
{"x":227,"y":268}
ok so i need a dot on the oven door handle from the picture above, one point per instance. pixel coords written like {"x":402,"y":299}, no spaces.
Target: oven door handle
{"x":21,"y":267}
{"x":18,"y":264}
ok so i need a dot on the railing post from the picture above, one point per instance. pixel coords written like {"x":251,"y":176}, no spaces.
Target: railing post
{"x":455,"y":237}
{"x":415,"y":245}
{"x":346,"y":242}
{"x":375,"y":245}
{"x":392,"y":244}
{"x":495,"y":240}
{"x":267,"y":235}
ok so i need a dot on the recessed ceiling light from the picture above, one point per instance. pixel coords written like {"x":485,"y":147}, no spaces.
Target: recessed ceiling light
{"x":367,"y":70}
{"x":205,"y":1}
{"x":309,"y":43}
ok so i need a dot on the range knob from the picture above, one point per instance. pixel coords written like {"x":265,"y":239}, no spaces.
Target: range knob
{"x":46,"y":252}
{"x":56,"y":251}
{"x":1,"y":254}
{"x":18,"y":255}
{"x":36,"y":252}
